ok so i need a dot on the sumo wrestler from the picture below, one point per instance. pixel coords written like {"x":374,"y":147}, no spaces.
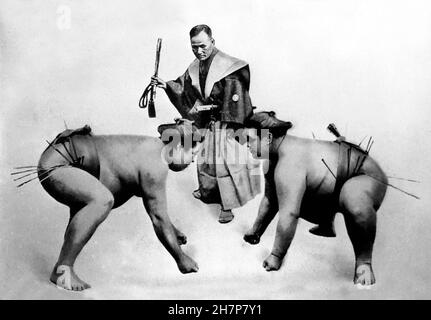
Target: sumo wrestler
{"x":92,"y":174}
{"x":299,"y":184}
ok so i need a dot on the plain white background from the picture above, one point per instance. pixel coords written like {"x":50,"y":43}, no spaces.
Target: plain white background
{"x":363,"y":65}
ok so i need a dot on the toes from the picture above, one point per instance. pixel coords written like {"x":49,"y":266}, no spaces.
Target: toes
{"x":360,"y":286}
{"x":77,"y":287}
{"x":80,"y":287}
{"x":363,"y":282}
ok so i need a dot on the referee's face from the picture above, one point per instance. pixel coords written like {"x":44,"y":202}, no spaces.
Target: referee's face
{"x":202,"y":46}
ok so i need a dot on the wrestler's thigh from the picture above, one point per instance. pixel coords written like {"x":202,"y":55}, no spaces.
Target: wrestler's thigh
{"x":362,"y":191}
{"x":75,"y":187}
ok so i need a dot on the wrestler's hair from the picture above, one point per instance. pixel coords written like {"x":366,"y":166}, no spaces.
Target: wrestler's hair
{"x":199,"y":28}
{"x":268,"y":120}
{"x":182,"y":132}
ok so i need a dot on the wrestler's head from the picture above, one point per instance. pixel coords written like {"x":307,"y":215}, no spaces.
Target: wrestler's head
{"x":202,"y":41}
{"x":262,"y":129}
{"x":182,"y":141}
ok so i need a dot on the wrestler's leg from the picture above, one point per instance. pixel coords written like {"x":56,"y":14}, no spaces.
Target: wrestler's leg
{"x":325,"y":228}
{"x":268,"y":208}
{"x":90,"y":203}
{"x":360,"y":199}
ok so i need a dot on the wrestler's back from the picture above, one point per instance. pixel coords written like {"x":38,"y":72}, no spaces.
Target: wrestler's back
{"x":127,"y":162}
{"x":122,"y":163}
{"x":317,"y":203}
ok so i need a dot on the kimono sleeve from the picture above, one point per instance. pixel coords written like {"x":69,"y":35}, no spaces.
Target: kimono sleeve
{"x":178,"y":92}
{"x":237,"y":105}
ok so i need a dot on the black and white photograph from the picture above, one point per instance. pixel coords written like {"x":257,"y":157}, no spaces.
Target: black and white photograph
{"x":215,"y":150}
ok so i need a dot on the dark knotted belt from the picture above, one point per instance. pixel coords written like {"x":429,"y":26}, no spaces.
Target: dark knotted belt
{"x":77,"y":149}
{"x":346,"y":167}
{"x":80,"y":149}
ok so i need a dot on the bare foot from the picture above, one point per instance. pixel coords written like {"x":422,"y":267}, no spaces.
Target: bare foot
{"x":251,"y":237}
{"x":65,"y":278}
{"x":272,"y":263}
{"x":364,"y":275}
{"x":187,"y":265}
{"x":323,"y":231}
{"x":225,"y":216}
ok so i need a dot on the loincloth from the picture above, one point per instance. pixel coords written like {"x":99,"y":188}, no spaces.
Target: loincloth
{"x":350,"y":161}
{"x":75,"y":148}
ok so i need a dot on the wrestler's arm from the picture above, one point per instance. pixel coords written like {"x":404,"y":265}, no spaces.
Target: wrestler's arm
{"x":268,"y":208}
{"x":153,"y":174}
{"x":290,"y":184}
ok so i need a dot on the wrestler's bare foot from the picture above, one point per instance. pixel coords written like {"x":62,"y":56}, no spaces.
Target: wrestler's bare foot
{"x":251,"y":237}
{"x":64,"y":277}
{"x":272,"y":263}
{"x":225,"y":216}
{"x":187,"y":264}
{"x":323,"y":231}
{"x":364,"y":275}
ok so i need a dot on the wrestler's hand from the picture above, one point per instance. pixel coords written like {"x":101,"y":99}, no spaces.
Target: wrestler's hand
{"x":156,"y":81}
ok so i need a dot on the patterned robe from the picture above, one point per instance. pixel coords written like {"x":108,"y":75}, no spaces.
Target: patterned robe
{"x":226,"y":173}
